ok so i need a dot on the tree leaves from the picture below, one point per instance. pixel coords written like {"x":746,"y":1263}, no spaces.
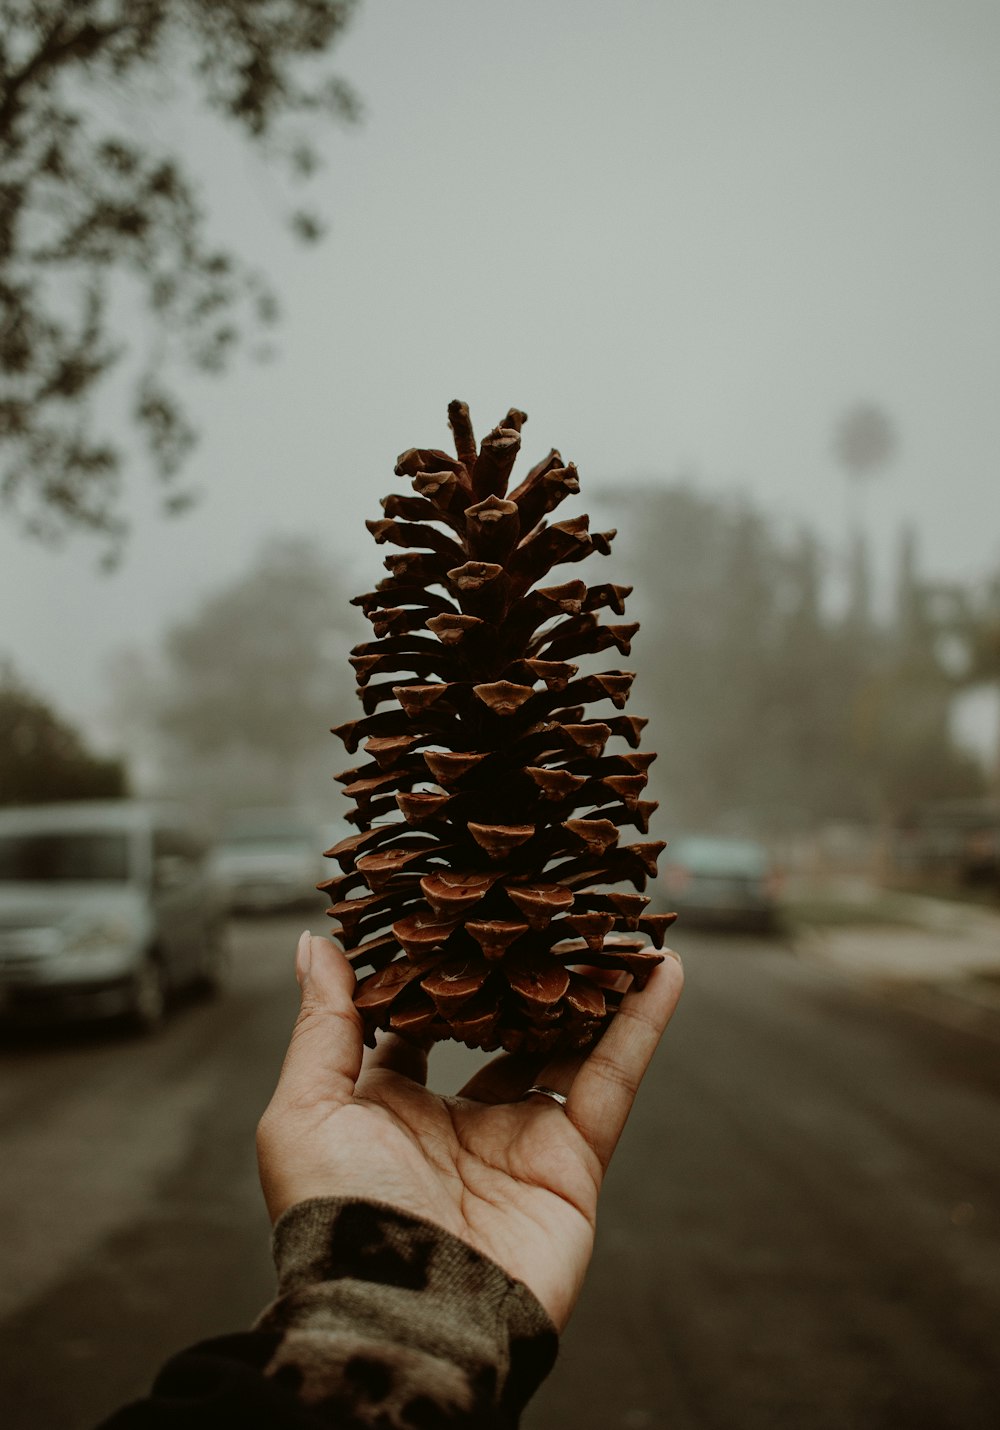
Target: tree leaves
{"x":42,"y":758}
{"x":86,"y":214}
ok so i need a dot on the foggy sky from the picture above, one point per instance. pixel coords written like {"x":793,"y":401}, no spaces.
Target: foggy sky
{"x":683,"y":235}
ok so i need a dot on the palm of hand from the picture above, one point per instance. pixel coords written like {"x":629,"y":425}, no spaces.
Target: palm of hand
{"x":516,"y":1178}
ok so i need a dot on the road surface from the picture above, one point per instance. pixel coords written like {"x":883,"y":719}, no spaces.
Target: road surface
{"x":801,"y":1229}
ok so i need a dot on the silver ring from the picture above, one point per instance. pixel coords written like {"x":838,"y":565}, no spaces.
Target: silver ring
{"x":559,"y":1097}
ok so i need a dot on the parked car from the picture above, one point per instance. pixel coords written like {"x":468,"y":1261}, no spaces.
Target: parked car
{"x":720,"y":881}
{"x":269,"y":860}
{"x":106,"y":906}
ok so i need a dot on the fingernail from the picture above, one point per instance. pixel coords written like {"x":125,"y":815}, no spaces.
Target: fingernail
{"x":672,"y":953}
{"x":303,"y":956}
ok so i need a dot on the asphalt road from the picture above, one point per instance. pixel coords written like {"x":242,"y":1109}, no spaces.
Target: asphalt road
{"x":801,"y":1229}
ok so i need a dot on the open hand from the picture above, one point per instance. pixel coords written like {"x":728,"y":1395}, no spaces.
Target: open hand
{"x":517,"y":1177}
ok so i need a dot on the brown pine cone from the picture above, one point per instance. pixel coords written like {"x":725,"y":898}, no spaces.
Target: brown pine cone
{"x":490,"y":805}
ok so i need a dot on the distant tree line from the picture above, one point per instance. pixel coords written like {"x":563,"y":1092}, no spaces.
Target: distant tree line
{"x":774,"y":706}
{"x":775,"y":703}
{"x":235,"y":707}
{"x":42,"y":758}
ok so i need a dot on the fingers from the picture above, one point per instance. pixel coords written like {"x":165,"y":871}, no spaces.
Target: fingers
{"x":558,"y":1074}
{"x":602,"y":1093}
{"x":508,"y":1077}
{"x":398,"y":1055}
{"x":324,"y":1056}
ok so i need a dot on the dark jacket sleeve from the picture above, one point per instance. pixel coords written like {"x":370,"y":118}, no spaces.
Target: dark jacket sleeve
{"x":382,"y":1321}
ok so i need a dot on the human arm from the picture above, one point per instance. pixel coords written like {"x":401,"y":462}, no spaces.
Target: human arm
{"x":427,"y":1247}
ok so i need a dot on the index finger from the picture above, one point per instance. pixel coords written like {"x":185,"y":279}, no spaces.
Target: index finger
{"x":324,"y":1055}
{"x":604,"y":1089}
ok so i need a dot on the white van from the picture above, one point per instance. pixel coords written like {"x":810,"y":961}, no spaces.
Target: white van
{"x":106,"y":906}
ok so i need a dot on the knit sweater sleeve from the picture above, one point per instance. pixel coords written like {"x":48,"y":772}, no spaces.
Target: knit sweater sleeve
{"x":382,"y":1321}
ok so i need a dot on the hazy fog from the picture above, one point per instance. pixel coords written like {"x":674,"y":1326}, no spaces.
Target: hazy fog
{"x":684,"y":235}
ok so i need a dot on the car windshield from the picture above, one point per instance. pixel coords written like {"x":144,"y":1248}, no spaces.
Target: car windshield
{"x":720,"y":856}
{"x":55,"y":858}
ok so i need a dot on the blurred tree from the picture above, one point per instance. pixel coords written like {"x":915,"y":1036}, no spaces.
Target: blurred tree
{"x":856,"y":653}
{"x":864,"y":440}
{"x":732,"y":659}
{"x":814,"y":766}
{"x":254,"y":679}
{"x":966,"y":623}
{"x":858,"y":609}
{"x":85,"y":203}
{"x":42,"y":758}
{"x":979,"y":628}
{"x":769,"y":709}
{"x":911,"y":614}
{"x":913,"y":755}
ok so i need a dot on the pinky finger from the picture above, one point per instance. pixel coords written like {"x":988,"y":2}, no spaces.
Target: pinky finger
{"x":604,"y":1089}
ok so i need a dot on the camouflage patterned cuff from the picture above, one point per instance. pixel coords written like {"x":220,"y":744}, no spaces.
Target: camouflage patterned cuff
{"x":389,"y":1319}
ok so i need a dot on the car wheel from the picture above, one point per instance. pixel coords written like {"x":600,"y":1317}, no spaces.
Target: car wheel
{"x":148,"y":1003}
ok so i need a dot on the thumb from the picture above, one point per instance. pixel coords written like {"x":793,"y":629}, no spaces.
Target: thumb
{"x":324,"y":1055}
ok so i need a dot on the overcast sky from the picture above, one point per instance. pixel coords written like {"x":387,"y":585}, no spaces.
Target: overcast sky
{"x":683,"y":235}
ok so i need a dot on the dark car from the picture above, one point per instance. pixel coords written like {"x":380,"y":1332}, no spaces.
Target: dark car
{"x":722,"y":882}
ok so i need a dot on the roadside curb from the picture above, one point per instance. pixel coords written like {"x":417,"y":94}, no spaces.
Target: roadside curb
{"x":944,"y":970}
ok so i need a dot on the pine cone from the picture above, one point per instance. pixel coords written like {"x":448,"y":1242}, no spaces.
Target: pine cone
{"x":489,"y":810}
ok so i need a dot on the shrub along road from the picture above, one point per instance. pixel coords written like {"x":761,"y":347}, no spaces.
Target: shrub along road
{"x":801,"y":1227}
